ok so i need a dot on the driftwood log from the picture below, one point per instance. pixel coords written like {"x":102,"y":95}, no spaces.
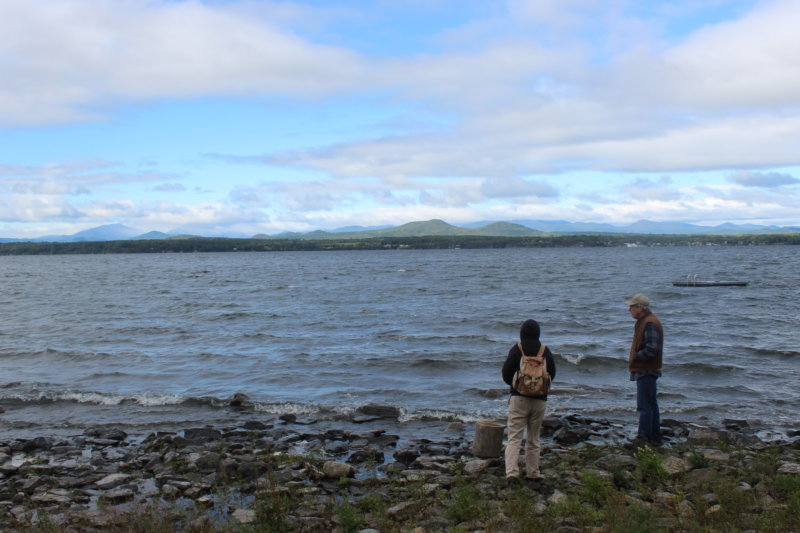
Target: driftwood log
{"x":488,"y":439}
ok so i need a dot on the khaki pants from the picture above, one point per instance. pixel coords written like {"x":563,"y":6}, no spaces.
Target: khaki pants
{"x":524,"y":413}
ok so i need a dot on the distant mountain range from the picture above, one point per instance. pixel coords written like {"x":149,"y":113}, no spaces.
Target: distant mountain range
{"x":514,"y":228}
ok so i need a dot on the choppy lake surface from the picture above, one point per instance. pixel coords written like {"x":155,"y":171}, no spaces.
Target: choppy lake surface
{"x":160,"y":340}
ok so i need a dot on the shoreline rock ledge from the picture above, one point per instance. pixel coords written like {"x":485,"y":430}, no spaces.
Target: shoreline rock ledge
{"x":373,"y":468}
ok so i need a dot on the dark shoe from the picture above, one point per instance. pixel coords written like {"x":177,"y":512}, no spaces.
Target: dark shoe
{"x":512,"y":481}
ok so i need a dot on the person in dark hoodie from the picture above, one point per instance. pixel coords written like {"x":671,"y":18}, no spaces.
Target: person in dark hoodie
{"x":525,"y":412}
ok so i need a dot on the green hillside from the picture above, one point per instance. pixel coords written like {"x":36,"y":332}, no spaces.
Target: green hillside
{"x":429,"y":228}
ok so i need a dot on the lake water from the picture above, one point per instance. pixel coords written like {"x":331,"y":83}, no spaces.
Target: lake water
{"x":165,"y":340}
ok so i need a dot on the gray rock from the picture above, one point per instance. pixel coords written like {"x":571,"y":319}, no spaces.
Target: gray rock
{"x":359,"y":443}
{"x":255,"y":425}
{"x":30,"y":445}
{"x":42,"y":443}
{"x":250,"y":470}
{"x":401,"y":509}
{"x":200,"y":524}
{"x":676,"y":465}
{"x":381,"y":411}
{"x":406,"y":457}
{"x":436,"y":462}
{"x":706,"y":435}
{"x":571,"y":435}
{"x":336,"y":434}
{"x":336,"y":470}
{"x":8,"y":469}
{"x":244,"y":516}
{"x":476,"y":466}
{"x":201,"y":435}
{"x":455,"y":427}
{"x":111,"y":434}
{"x":789,"y":469}
{"x":552,"y":423}
{"x":365,"y":455}
{"x":556,"y":497}
{"x":195,"y":491}
{"x":115,"y":496}
{"x":113,"y":480}
{"x":169,"y":491}
{"x":51,"y":498}
{"x":735,"y":424}
{"x":337,"y":447}
{"x":239,"y":399}
{"x":716,"y":456}
{"x":30,"y":485}
{"x":101,"y":519}
{"x":208,"y":462}
{"x":227,"y":469}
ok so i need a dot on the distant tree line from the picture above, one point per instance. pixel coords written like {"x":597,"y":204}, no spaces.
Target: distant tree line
{"x":199,"y":244}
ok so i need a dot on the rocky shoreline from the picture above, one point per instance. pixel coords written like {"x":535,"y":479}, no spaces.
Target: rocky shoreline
{"x":374,"y":473}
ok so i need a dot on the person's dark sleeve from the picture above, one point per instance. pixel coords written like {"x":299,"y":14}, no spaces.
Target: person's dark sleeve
{"x":551,"y":363}
{"x":652,"y":344}
{"x":512,"y":364}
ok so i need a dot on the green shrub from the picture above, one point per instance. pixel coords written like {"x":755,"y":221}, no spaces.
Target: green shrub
{"x":698,"y":460}
{"x":519,"y":509}
{"x":572,"y":512}
{"x":632,"y":519}
{"x":371,"y":504}
{"x":272,"y":508}
{"x":786,"y":487}
{"x":766,"y":462}
{"x":348,"y":518}
{"x":595,"y":490}
{"x":650,"y":465}
{"x":464,"y":504}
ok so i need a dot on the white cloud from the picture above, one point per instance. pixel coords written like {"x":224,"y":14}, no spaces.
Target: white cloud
{"x":645,"y":190}
{"x":66,"y":60}
{"x":723,"y":98}
{"x":33,"y":208}
{"x":514,"y":187}
{"x":170,"y":187}
{"x":750,"y":62}
{"x":763,"y":179}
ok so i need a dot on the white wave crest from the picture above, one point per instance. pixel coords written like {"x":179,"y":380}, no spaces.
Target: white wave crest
{"x":574,"y":359}
{"x":154,"y":400}
{"x":288,"y":408}
{"x":90,"y":397}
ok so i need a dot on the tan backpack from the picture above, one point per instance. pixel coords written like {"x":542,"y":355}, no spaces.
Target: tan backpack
{"x":532,"y":378}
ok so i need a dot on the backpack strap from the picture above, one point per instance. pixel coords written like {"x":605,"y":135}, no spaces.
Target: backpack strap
{"x":542,"y":347}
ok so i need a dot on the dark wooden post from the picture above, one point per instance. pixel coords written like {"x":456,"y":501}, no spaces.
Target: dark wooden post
{"x":488,"y":439}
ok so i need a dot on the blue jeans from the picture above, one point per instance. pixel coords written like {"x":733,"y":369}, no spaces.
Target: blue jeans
{"x":647,"y":407}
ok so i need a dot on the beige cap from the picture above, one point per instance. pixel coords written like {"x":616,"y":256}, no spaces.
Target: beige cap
{"x":639,"y":299}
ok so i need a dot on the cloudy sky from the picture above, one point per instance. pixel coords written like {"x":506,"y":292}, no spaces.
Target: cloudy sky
{"x":229,"y":117}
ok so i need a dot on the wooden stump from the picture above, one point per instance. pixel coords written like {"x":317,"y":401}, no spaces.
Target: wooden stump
{"x":488,"y":439}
